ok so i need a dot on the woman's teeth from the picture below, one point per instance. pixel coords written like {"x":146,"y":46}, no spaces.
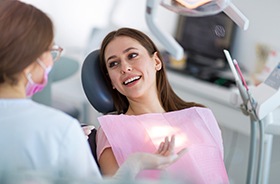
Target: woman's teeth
{"x":131,"y":80}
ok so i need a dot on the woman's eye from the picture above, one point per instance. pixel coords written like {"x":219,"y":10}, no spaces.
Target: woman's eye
{"x":112,"y":64}
{"x":132,"y":55}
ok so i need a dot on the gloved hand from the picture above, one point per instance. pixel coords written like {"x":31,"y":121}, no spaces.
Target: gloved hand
{"x":164,"y":157}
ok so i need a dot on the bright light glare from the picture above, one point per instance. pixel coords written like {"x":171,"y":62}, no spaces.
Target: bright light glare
{"x":195,"y":8}
{"x":191,"y":4}
{"x":158,"y":133}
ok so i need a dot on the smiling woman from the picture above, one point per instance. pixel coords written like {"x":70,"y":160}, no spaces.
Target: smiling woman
{"x":148,"y":110}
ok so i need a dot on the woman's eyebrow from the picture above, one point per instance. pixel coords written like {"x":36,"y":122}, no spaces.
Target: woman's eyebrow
{"x":125,"y":51}
{"x":111,"y":57}
{"x":128,"y":49}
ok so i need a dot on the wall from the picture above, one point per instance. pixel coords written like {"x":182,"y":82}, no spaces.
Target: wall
{"x":75,"y":21}
{"x":264,"y":28}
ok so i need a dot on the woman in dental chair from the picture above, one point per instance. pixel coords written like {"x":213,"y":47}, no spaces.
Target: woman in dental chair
{"x":148,"y":109}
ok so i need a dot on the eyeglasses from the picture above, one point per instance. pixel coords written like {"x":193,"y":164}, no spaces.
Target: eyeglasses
{"x":56,"y":52}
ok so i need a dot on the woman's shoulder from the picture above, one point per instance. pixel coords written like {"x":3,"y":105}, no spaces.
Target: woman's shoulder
{"x":51,"y":114}
{"x":50,"y":109}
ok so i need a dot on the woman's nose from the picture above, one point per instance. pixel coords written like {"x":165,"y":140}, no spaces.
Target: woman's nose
{"x":125,"y":67}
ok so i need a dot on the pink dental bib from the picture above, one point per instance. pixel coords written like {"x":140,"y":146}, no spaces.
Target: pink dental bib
{"x":194,"y":128}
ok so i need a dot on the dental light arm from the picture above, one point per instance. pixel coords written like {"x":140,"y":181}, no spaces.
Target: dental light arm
{"x":189,"y":8}
{"x":235,"y":14}
{"x":171,"y":45}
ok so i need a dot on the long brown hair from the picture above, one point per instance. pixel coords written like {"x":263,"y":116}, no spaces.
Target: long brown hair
{"x":168,"y":98}
{"x":25,"y":33}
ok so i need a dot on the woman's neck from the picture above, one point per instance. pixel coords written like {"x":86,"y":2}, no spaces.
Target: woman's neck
{"x":137,"y":111}
{"x":12,"y":91}
{"x":144,"y":107}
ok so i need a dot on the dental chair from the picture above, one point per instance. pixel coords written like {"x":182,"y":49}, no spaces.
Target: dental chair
{"x":94,"y":86}
{"x":96,"y":92}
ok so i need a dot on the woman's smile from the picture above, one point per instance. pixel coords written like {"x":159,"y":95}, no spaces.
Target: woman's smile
{"x":131,"y":80}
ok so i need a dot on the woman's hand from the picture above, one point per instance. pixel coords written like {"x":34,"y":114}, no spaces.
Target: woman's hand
{"x":164,"y":156}
{"x":166,"y":147}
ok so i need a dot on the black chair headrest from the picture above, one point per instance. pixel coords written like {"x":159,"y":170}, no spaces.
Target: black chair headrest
{"x":94,"y":85}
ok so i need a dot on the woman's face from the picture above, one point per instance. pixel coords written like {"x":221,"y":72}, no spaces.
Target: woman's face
{"x":131,"y":69}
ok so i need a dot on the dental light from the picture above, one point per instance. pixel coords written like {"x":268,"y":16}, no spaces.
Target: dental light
{"x":192,"y":8}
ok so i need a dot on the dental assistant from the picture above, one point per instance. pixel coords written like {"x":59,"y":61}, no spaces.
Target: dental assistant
{"x":34,"y":137}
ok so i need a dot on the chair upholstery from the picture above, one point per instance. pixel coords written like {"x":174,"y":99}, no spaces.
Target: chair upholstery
{"x":94,"y":86}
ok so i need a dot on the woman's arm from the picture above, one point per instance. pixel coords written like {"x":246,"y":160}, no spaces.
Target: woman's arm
{"x":108,"y":163}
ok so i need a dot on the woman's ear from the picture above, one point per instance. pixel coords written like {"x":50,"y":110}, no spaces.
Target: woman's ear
{"x":158,"y":62}
{"x":29,"y":68}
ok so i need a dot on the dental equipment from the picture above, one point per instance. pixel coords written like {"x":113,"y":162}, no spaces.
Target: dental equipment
{"x":189,"y":8}
{"x":259,"y":111}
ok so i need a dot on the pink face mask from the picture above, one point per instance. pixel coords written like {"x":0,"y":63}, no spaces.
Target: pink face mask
{"x":33,"y":87}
